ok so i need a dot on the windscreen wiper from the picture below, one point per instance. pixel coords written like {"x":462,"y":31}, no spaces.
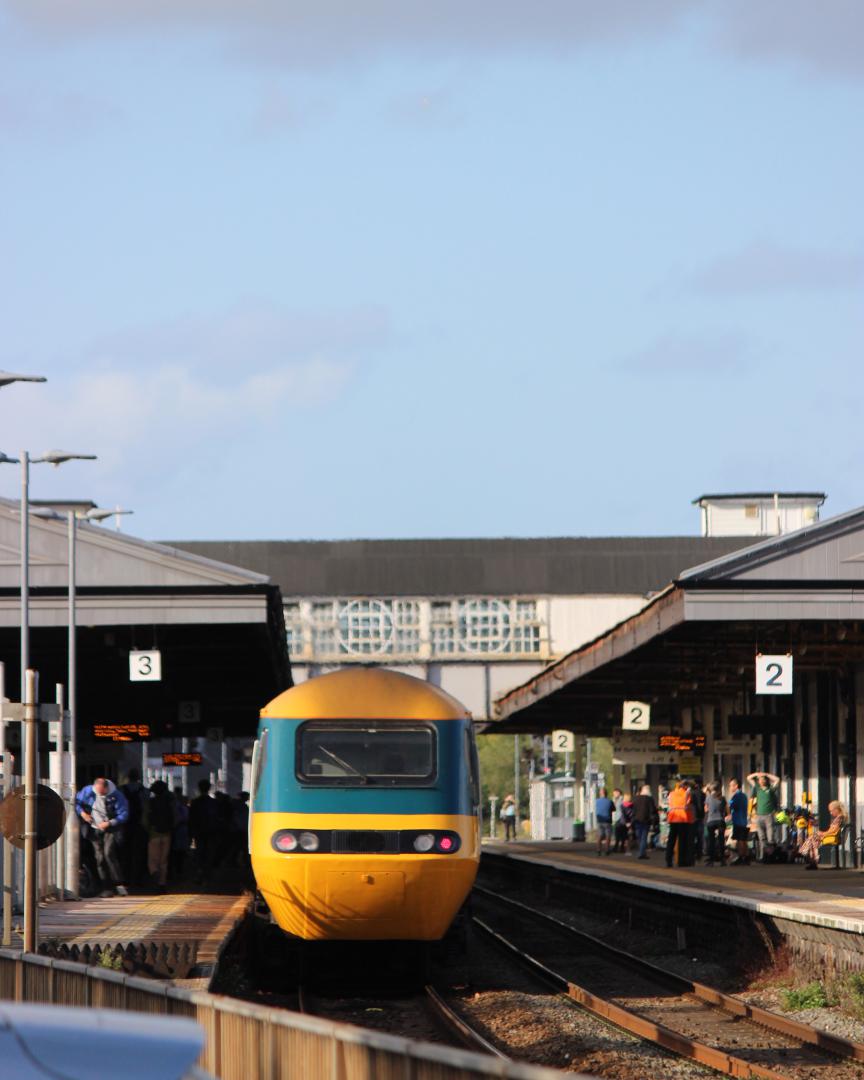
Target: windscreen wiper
{"x":343,"y":764}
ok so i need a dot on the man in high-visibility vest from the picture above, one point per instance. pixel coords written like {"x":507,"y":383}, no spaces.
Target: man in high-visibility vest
{"x":679,"y":818}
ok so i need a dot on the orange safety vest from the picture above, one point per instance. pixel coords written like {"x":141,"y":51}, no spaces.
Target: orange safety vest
{"x":680,"y":806}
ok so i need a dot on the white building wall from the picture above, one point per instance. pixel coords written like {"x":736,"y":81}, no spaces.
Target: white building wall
{"x":565,"y":623}
{"x":575,"y":620}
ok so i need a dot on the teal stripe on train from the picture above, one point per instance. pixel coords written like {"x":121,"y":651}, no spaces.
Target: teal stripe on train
{"x":279,"y":790}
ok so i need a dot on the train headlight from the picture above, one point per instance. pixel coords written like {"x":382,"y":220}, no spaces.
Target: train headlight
{"x":424,"y":842}
{"x":308,"y":841}
{"x":284,"y":841}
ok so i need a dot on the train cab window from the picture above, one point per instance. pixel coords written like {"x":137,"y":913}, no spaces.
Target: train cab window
{"x":354,"y":755}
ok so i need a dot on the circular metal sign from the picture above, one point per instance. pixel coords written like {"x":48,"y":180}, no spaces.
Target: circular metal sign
{"x":50,"y":816}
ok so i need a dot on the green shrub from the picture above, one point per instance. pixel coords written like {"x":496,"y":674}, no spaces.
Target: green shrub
{"x":811,"y":996}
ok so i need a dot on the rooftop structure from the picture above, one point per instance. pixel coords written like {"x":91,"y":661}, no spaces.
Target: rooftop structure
{"x":758,"y":513}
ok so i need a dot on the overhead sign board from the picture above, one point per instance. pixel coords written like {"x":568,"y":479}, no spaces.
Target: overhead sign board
{"x":183,"y":760}
{"x":689,"y":765}
{"x":774,"y":673}
{"x":737,"y":746}
{"x":681,"y":744}
{"x":189,"y":712}
{"x":145,"y":665}
{"x":121,"y":732}
{"x":636,"y":716}
{"x":563,"y":742}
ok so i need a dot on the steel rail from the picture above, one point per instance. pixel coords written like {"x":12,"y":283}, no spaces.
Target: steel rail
{"x":631,"y":1022}
{"x":780,"y":1025}
{"x":457,"y":1027}
{"x":444,"y":1016}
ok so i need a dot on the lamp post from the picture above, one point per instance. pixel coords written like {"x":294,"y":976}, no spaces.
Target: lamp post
{"x":51,"y":457}
{"x":75,"y":511}
{"x":6,"y":379}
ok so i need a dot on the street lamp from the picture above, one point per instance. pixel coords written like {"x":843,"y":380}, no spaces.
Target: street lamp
{"x":100,"y":514}
{"x":7,"y":377}
{"x":51,"y":457}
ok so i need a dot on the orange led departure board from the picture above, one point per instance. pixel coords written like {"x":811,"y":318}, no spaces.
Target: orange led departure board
{"x":181,"y":759}
{"x":121,"y":732}
{"x":681,"y":744}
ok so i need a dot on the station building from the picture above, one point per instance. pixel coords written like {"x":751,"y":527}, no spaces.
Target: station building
{"x":690,"y":654}
{"x":479,"y":617}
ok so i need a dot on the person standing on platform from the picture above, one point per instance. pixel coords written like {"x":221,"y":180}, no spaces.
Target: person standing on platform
{"x":603,"y":808}
{"x":698,"y":796}
{"x":103,"y":811}
{"x":739,"y":815}
{"x":508,"y":816}
{"x":180,"y":837}
{"x":204,"y":830}
{"x":766,"y":792}
{"x":680,"y":820}
{"x":644,"y":816}
{"x":715,"y":824}
{"x":134,"y":850}
{"x":159,"y":821}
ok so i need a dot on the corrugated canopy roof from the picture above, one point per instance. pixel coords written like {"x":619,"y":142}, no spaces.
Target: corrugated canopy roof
{"x":555,"y":566}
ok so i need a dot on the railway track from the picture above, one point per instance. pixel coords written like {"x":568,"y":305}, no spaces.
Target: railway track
{"x":695,"y":1021}
{"x":426,"y":1010}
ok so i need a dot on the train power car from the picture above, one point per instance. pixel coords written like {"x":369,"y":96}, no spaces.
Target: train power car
{"x":365,"y":796}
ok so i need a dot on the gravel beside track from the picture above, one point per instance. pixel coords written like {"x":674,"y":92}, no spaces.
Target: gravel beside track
{"x":638,"y":992}
{"x":531,"y":1024}
{"x":408,"y":1016}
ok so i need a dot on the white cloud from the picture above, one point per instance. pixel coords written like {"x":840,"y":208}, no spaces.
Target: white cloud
{"x":766,"y":266}
{"x":682,"y":355}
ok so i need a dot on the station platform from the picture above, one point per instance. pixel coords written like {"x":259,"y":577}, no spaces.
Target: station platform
{"x":176,"y":936}
{"x":833,"y":899}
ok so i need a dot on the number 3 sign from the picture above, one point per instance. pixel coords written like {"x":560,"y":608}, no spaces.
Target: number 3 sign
{"x":774,"y":674}
{"x":145,"y":666}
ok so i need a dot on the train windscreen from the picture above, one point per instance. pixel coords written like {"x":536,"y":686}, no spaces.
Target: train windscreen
{"x":355,"y":755}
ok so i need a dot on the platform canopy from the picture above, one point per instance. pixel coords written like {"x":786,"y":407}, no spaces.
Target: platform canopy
{"x":695,"y":641}
{"x":219,"y":628}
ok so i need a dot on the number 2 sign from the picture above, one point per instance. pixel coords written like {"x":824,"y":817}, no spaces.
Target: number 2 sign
{"x":774,"y":674}
{"x":636,"y":716}
{"x":563,"y":742}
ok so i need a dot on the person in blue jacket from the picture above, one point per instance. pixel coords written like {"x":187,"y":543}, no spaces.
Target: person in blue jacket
{"x":103,"y":811}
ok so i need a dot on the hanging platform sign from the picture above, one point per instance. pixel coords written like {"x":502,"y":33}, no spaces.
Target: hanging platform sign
{"x":774,"y":673}
{"x":636,"y":716}
{"x":145,"y":666}
{"x":563,"y":742}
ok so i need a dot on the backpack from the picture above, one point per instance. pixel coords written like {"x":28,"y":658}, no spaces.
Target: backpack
{"x":162,"y":814}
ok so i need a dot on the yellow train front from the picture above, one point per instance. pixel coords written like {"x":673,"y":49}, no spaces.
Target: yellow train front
{"x":364,"y":808}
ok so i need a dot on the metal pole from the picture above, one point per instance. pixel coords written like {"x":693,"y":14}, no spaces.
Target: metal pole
{"x":493,"y":802}
{"x":25,"y":569}
{"x":31,"y":780}
{"x":8,"y":862}
{"x":184,"y":773}
{"x":516,"y":764}
{"x":74,"y":846}
{"x":59,"y":779}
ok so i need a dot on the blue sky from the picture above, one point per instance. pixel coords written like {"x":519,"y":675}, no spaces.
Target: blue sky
{"x":331,"y":269}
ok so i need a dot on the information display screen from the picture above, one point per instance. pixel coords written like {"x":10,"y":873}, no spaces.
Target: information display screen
{"x":121,"y":732}
{"x":181,"y":759}
{"x":681,"y":744}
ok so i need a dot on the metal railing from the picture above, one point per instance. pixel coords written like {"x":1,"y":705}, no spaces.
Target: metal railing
{"x":251,"y":1042}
